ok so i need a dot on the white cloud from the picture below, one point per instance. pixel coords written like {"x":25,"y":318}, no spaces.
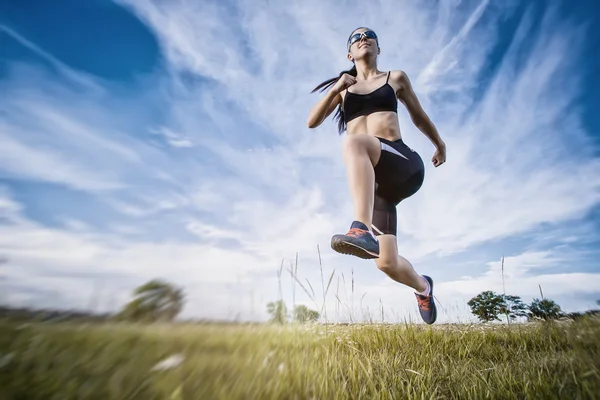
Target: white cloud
{"x":498,"y":160}
{"x":524,"y":273}
{"x":173,"y":138}
{"x":522,"y":279}
{"x":70,"y":260}
{"x":245,"y":179}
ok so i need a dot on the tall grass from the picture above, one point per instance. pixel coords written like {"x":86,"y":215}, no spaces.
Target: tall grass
{"x":378,"y":361}
{"x":256,"y":361}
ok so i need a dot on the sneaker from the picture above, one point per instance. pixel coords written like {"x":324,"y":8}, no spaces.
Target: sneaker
{"x":427,"y":307}
{"x":359,"y":242}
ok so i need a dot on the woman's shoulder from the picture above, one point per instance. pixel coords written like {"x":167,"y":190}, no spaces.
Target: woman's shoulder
{"x":398,"y":75}
{"x":399,"y":80}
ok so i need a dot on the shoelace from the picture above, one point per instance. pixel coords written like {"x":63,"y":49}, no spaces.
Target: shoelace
{"x":424,"y":303}
{"x":356,"y":232}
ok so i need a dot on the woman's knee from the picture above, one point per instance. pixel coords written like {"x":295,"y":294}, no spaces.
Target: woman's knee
{"x":387,"y":264}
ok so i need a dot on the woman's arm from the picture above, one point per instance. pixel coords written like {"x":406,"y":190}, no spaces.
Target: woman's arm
{"x":323,"y":108}
{"x":418,"y":116}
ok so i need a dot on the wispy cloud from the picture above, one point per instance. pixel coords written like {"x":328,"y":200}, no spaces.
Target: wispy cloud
{"x":173,"y":138}
{"x":499,"y":144}
{"x":78,"y":77}
{"x":226,"y":180}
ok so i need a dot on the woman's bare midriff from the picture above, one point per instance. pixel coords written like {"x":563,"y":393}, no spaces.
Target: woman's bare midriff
{"x":382,"y":124}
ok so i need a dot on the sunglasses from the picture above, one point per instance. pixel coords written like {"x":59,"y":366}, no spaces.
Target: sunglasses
{"x":358,"y":36}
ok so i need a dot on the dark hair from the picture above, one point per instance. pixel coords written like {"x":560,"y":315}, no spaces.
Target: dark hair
{"x":339,"y":115}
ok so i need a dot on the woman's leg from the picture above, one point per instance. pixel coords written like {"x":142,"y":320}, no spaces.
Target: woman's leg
{"x":361,"y":153}
{"x":397,"y":267}
{"x":400,"y":269}
{"x":400,"y":175}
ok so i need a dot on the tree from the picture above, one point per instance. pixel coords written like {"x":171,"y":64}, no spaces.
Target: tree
{"x":544,"y":309}
{"x":278,"y":311}
{"x":156,"y":300}
{"x":304,"y":314}
{"x":514,"y":307}
{"x":486,"y":306}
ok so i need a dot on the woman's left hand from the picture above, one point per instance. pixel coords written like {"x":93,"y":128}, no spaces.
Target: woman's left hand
{"x":439,"y":157}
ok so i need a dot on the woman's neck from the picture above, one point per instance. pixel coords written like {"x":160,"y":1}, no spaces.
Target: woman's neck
{"x":366,"y":69}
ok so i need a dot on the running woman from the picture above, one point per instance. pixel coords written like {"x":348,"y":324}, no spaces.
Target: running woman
{"x":382,"y":170}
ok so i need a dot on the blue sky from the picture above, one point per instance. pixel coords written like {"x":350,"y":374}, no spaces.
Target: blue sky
{"x":144,"y":139}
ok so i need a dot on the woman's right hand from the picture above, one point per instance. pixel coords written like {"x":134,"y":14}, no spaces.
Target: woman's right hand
{"x":343,"y":83}
{"x":327,"y":104}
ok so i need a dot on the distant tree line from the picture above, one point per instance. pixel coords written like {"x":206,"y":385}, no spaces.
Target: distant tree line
{"x":47,"y":314}
{"x":300,"y":313}
{"x":162,"y":301}
{"x":154,"y":301}
{"x":159,"y":300}
{"x":488,"y":306}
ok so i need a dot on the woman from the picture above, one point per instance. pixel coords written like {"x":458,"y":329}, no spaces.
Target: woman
{"x":382,"y":170}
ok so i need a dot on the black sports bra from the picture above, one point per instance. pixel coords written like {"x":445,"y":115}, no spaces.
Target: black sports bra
{"x":381,"y":99}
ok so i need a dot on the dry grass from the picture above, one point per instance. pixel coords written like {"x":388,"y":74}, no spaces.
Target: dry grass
{"x":70,"y":361}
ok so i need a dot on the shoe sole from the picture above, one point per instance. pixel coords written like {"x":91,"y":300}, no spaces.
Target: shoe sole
{"x":432,"y":301}
{"x":343,"y":247}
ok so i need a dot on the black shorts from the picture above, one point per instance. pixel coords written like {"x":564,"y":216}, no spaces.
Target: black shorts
{"x":399,"y":174}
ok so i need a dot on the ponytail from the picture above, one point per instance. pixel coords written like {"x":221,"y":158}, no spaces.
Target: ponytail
{"x":339,"y":115}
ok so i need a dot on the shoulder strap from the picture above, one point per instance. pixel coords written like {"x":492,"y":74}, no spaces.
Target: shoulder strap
{"x":388,"y":77}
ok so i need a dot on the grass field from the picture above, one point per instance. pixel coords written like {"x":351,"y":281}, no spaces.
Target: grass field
{"x":77,"y":361}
